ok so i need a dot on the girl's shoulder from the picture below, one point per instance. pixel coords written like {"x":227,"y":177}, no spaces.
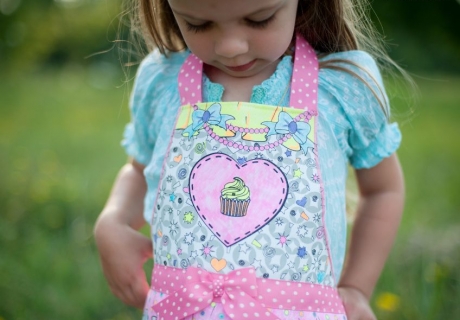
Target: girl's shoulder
{"x":156,"y":77}
{"x":354,"y":63}
{"x":357,"y":107}
{"x":156,"y":67}
{"x":353,"y":74}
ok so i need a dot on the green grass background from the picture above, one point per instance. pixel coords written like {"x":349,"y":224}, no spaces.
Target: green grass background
{"x":59,"y":153}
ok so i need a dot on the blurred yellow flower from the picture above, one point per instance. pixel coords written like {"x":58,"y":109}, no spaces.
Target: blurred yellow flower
{"x":387,"y":301}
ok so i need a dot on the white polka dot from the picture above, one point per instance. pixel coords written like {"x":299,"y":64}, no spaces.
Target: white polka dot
{"x":245,"y":315}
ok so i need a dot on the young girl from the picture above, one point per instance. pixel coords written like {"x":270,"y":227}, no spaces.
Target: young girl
{"x":244,"y":120}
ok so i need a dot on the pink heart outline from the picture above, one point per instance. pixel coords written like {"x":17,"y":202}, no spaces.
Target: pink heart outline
{"x":268,"y":189}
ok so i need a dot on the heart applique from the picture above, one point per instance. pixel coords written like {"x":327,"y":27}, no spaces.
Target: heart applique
{"x":302,"y":202}
{"x":268,"y":190}
{"x":177,"y":158}
{"x":218,"y":264}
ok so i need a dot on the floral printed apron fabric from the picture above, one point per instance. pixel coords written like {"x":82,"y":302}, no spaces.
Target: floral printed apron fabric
{"x":238,"y":225}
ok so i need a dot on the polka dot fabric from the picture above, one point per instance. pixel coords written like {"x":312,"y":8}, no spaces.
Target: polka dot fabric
{"x":190,"y":80}
{"x":304,"y":88}
{"x":237,"y":295}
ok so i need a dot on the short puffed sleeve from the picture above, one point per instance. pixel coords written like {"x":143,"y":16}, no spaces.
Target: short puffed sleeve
{"x":155,"y":82}
{"x":359,"y":120}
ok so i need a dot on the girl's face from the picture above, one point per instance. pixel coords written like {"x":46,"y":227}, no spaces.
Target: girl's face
{"x":240,"y":38}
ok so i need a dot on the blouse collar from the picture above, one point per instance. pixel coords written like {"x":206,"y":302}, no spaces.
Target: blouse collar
{"x":271,"y":91}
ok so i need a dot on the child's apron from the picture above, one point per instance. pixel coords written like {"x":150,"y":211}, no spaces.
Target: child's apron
{"x":239,"y":220}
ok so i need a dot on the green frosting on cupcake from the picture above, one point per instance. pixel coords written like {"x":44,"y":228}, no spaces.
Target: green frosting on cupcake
{"x":236,"y":190}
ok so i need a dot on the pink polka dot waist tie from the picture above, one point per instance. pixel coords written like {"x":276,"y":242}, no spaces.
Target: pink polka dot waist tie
{"x":242,"y":294}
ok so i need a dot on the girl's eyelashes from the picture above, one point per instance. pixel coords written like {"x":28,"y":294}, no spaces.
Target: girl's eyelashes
{"x":197,"y":28}
{"x":207,"y":25}
{"x":260,"y":24}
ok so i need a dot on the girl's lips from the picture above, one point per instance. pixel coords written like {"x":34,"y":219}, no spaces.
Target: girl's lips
{"x":242,"y":67}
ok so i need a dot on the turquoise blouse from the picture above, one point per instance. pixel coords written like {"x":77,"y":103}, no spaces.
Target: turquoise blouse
{"x":352,"y":126}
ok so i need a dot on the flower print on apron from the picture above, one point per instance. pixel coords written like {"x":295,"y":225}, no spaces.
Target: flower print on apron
{"x":238,"y":224}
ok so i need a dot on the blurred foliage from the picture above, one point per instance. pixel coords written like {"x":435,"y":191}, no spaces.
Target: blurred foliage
{"x":41,"y":33}
{"x":422,"y":35}
{"x":34,"y":33}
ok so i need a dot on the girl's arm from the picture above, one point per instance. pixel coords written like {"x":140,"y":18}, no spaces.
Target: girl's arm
{"x":379,"y":213}
{"x":122,"y":249}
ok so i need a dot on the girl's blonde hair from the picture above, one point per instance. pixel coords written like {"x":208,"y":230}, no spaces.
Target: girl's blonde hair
{"x":328,"y":25}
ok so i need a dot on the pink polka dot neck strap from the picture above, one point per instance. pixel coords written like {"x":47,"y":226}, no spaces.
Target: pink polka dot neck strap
{"x":304,"y":78}
{"x":239,"y":219}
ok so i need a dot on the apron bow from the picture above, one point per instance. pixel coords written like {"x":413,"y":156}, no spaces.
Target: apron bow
{"x":237,"y":291}
{"x":299,"y":130}
{"x":211,"y":116}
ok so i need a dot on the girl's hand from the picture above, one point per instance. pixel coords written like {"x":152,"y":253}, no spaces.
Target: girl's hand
{"x":356,"y":304}
{"x":123,"y":252}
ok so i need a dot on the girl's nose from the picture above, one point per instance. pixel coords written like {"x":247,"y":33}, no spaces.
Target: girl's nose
{"x":230,"y":45}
